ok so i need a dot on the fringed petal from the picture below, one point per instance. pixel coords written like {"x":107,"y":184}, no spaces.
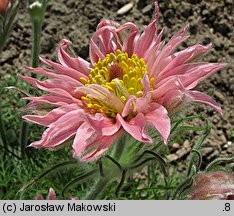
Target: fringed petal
{"x":78,"y":64}
{"x":60,"y":131}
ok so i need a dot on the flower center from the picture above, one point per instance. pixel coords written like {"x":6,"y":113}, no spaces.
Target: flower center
{"x":121,"y":75}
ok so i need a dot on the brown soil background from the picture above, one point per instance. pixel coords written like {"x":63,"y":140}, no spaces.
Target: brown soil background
{"x":210,"y":21}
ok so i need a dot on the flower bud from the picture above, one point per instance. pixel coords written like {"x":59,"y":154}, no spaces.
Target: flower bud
{"x":36,"y":10}
{"x":3,"y":6}
{"x":51,"y":196}
{"x":212,"y":186}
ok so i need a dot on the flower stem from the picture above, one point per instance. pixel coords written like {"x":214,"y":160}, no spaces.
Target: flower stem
{"x":97,"y":188}
{"x":110,"y":171}
{"x":2,"y":130}
{"x":119,"y":147}
{"x":37,"y":26}
{"x":3,"y":41}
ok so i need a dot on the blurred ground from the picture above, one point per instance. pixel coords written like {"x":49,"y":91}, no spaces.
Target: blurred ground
{"x":210,"y":21}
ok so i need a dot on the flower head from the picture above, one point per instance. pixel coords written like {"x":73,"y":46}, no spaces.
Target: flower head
{"x":216,"y":185}
{"x":132,"y":82}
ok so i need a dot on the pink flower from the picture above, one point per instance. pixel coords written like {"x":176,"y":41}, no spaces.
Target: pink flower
{"x":51,"y":196}
{"x":217,"y":185}
{"x":132,"y":82}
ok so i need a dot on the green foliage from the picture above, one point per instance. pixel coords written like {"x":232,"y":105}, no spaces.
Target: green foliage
{"x":15,"y":174}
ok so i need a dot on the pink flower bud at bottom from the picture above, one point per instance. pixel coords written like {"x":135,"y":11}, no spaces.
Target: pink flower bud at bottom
{"x":52,"y":196}
{"x":213,"y":186}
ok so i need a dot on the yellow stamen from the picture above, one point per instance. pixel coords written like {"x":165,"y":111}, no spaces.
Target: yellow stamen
{"x":120,"y":74}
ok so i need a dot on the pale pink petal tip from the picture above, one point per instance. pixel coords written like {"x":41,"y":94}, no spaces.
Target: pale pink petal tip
{"x":52,"y":194}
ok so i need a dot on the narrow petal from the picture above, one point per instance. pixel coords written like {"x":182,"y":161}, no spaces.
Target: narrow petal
{"x":182,"y":57}
{"x":197,"y":96}
{"x":55,"y":90}
{"x":129,"y":39}
{"x":65,"y":70}
{"x":60,"y":131}
{"x":95,"y":52}
{"x":102,"y":124}
{"x":78,"y":64}
{"x":146,"y":38}
{"x":47,"y":98}
{"x":52,"y":116}
{"x":96,"y":132}
{"x":98,"y":46}
{"x":146,"y":83}
{"x":52,"y":74}
{"x":164,"y":57}
{"x":174,"y":100}
{"x":192,"y":78}
{"x":163,"y":87}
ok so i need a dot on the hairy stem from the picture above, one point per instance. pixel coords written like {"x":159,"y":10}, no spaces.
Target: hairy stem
{"x":37,"y":26}
{"x":97,"y":188}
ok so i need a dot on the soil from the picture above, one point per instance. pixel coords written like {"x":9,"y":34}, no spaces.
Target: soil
{"x":210,"y":21}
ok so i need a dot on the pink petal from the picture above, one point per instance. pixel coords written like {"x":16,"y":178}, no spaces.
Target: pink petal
{"x":164,"y":57}
{"x":78,"y":64}
{"x":85,"y":137}
{"x":102,"y":124}
{"x":43,"y":86}
{"x":52,"y":116}
{"x":53,"y":74}
{"x":128,"y":106}
{"x":104,"y":145}
{"x":174,"y":100}
{"x":184,"y":56}
{"x":101,"y":93}
{"x":129,"y":39}
{"x":95,"y":52}
{"x":106,"y":37}
{"x":51,"y":195}
{"x":146,"y":38}
{"x":65,"y":70}
{"x":151,"y":54}
{"x":191,"y":79}
{"x":162,"y":88}
{"x":110,"y":97}
{"x":197,"y":96}
{"x":146,"y":83}
{"x":100,"y":46}
{"x":142,"y":105}
{"x":47,"y":98}
{"x":61,"y":130}
{"x":93,"y":132}
{"x":159,"y":118}
{"x":135,"y":127}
